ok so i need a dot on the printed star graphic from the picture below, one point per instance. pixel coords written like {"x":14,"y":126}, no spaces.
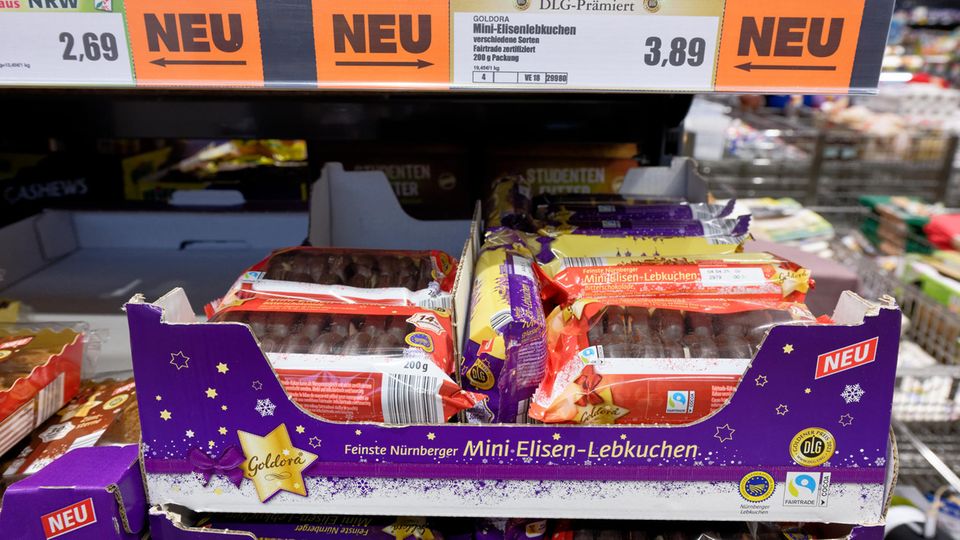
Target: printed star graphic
{"x":222,"y":430}
{"x":190,"y":433}
{"x":211,"y":444}
{"x":165,"y":414}
{"x":761,"y":380}
{"x":223,"y":407}
{"x":782,"y":410}
{"x":217,"y":491}
{"x":623,"y":436}
{"x":222,"y":367}
{"x":300,"y":429}
{"x":806,"y":390}
{"x":286,"y":452}
{"x":159,"y":397}
{"x":211,"y":393}
{"x":257,"y":385}
{"x":179,"y":360}
{"x":556,"y":436}
{"x":788,"y":348}
{"x":846,"y":420}
{"x":315,"y":442}
{"x":431,"y":436}
{"x":358,"y":432}
{"x":724,"y":433}
{"x":880,"y":462}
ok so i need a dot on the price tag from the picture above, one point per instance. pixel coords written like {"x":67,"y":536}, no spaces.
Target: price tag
{"x":585,"y":44}
{"x":71,"y":48}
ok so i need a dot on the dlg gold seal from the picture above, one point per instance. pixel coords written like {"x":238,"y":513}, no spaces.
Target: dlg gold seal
{"x":812,"y":447}
{"x":480,"y":375}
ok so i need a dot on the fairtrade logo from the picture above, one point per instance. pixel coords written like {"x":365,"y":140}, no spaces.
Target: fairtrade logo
{"x":756,"y":486}
{"x":802,"y":481}
{"x":812,"y":447}
{"x":807,"y":489}
{"x":679,"y":401}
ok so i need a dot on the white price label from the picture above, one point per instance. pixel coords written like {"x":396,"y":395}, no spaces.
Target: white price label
{"x":64,"y":48}
{"x":599,"y":51}
{"x":731,"y":276}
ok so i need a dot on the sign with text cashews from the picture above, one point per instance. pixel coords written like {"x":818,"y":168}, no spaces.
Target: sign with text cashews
{"x":195,"y":42}
{"x":382,"y":44}
{"x":801,"y":45}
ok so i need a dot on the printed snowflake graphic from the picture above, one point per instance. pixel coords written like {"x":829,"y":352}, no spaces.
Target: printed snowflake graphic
{"x":852,"y":393}
{"x":265,"y":407}
{"x":880,"y":462}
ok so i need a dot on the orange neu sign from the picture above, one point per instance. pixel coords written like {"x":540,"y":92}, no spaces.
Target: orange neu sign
{"x":788,"y":44}
{"x":382,"y":43}
{"x":195,"y":42}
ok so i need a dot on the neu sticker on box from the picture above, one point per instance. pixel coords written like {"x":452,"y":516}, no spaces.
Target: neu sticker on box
{"x":88,"y":494}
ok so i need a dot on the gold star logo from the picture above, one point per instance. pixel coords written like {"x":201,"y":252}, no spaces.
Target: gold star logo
{"x":431,"y":436}
{"x":222,"y":430}
{"x":211,"y":444}
{"x":300,"y":429}
{"x":223,"y":407}
{"x":788,"y":348}
{"x":83,"y":410}
{"x":806,"y":390}
{"x":556,"y":436}
{"x":358,"y":432}
{"x":269,"y":469}
{"x":222,"y":368}
{"x":159,"y":397}
{"x":623,"y":436}
{"x":211,"y":392}
{"x":166,"y":415}
{"x":179,"y":360}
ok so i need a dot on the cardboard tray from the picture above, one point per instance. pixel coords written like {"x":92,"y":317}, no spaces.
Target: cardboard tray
{"x":789,"y":445}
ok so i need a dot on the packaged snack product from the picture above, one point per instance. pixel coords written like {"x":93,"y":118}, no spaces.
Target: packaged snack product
{"x":723,"y":229}
{"x":578,"y":213}
{"x":102,"y":414}
{"x":421,"y":278}
{"x":509,"y":203}
{"x":505,"y":351}
{"x":358,"y":362}
{"x":757,"y":275}
{"x":547,"y":248}
{"x":39,"y":373}
{"x":652,"y":360}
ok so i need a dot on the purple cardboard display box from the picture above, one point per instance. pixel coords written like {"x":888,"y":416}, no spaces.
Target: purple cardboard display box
{"x":220,"y":434}
{"x":88,"y":494}
{"x":805,"y":437}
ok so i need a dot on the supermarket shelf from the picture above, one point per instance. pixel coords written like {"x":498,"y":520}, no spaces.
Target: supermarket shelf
{"x":650,"y":120}
{"x":450,"y":45}
{"x":86,"y":266}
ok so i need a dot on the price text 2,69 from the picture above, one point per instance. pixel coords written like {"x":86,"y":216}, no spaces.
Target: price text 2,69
{"x":94,"y":47}
{"x":682,"y":52}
